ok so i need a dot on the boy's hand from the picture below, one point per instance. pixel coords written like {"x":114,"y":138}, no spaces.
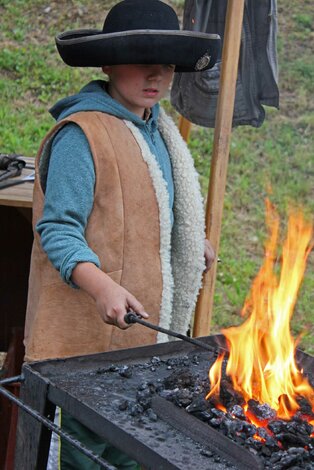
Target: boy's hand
{"x":112,"y":300}
{"x":209,"y":255}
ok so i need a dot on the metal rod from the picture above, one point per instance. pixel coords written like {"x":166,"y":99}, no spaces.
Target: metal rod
{"x":15,"y":183}
{"x":53,"y":427}
{"x":131,"y":317}
{"x":10,"y":380}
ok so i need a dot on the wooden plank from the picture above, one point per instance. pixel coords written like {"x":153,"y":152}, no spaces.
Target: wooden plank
{"x":22,"y":194}
{"x":185,"y":128}
{"x":220,"y":157}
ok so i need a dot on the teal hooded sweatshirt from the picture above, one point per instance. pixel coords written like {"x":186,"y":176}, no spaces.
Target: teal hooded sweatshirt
{"x":69,"y":193}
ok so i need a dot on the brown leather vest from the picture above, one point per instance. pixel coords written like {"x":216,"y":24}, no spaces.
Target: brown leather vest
{"x":123,"y":230}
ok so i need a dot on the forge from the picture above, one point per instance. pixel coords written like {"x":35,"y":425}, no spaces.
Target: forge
{"x":127,"y":397}
{"x":246,"y":401}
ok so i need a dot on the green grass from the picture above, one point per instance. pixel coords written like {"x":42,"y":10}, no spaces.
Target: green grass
{"x":279,"y":154}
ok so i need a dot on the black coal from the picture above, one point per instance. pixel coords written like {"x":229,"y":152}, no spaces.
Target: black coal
{"x":278,"y":444}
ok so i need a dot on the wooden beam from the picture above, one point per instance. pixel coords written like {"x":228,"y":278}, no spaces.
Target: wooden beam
{"x":220,"y":157}
{"x":185,"y":128}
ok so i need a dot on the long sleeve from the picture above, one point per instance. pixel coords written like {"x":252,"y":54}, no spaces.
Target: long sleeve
{"x":68,"y":202}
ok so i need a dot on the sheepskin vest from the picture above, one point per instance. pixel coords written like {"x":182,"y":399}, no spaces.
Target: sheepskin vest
{"x":129,"y":229}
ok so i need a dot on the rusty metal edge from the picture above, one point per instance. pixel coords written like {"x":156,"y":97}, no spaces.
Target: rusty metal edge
{"x":205,"y":435}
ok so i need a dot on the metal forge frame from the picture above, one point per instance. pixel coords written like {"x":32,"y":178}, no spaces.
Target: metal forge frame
{"x":83,"y":387}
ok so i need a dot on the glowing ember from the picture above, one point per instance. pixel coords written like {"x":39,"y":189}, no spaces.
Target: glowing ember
{"x":261,"y":363}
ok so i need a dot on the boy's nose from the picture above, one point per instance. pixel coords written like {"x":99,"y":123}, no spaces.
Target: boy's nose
{"x":156,"y":72}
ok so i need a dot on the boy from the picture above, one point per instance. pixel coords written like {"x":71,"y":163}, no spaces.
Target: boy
{"x":118,"y":214}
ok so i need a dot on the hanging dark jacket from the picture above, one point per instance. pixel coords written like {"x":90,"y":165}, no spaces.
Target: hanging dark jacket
{"x":195,"y":95}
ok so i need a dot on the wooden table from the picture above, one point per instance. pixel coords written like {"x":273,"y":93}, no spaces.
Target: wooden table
{"x":16,"y":239}
{"x":20,"y":195}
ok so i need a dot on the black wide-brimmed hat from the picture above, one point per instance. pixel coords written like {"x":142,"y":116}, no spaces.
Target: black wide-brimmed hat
{"x":140,"y":32}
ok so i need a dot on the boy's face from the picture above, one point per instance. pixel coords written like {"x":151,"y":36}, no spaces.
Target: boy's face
{"x":138,"y":87}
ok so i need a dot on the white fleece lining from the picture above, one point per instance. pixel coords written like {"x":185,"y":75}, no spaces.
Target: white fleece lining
{"x":162,"y":197}
{"x":188,"y":234}
{"x":182,"y":252}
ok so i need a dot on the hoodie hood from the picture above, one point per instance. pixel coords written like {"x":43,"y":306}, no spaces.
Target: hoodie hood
{"x":93,"y":97}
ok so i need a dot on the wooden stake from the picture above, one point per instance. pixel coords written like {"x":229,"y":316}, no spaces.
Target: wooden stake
{"x":220,"y":157}
{"x":185,"y":128}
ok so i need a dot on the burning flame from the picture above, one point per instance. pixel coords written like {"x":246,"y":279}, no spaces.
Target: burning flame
{"x":261,"y":363}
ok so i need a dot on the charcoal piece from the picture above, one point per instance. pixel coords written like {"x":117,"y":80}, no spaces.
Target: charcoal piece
{"x":254,"y":443}
{"x":180,"y":378}
{"x":186,"y":361}
{"x":303,"y":426}
{"x":269,"y":441}
{"x":151,"y":387}
{"x":288,"y":460}
{"x":276,"y":456}
{"x":297,"y":450}
{"x":198,"y":404}
{"x":151,"y":415}
{"x":144,"y":398}
{"x":299,"y":468}
{"x":276,"y":426}
{"x":300,"y":426}
{"x":168,"y":394}
{"x":237,"y":412}
{"x":305,"y":406}
{"x":207,"y":453}
{"x":173,"y":362}
{"x":159,"y":388}
{"x":155,"y":360}
{"x":204,"y":416}
{"x":262,"y":432}
{"x":217,"y":413}
{"x":125,"y":372}
{"x":249,"y":428}
{"x":230,"y":427}
{"x":266,"y":451}
{"x":216,"y":422}
{"x":229,"y":396}
{"x":262,"y":411}
{"x":103,"y":370}
{"x":136,"y":409}
{"x":288,"y":439}
{"x":123,"y":405}
{"x":272,"y":444}
{"x":183,"y":398}
{"x":196,"y":360}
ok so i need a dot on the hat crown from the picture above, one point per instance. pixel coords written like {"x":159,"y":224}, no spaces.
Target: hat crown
{"x":140,"y":14}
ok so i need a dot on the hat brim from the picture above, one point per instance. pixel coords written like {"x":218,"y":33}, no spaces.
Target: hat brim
{"x":189,"y":51}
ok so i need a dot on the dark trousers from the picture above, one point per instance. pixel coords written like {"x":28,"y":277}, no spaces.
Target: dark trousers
{"x":73,"y":459}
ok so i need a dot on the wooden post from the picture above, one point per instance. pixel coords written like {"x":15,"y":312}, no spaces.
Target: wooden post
{"x":184,"y":128}
{"x":220,"y":157}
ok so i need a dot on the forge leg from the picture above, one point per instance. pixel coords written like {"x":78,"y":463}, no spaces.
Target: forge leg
{"x":33,"y":439}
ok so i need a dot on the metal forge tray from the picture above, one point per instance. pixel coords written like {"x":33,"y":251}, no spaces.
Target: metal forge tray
{"x":84,"y":387}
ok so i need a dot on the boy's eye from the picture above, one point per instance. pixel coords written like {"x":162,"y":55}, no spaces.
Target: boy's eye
{"x":170,"y":66}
